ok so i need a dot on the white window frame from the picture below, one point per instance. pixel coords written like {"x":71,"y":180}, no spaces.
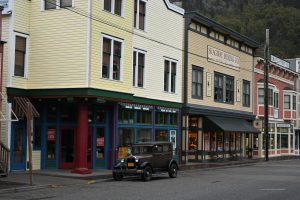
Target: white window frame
{"x":291,"y":94}
{"x":113,"y":8}
{"x":137,"y":67}
{"x":57,"y":4}
{"x":170,"y":75}
{"x":136,"y":26}
{"x":111,"y":57}
{"x":26,"y":55}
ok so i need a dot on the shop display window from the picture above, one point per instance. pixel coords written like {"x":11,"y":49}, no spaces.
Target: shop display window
{"x":272,"y":141}
{"x":161,"y":135}
{"x":193,"y":140}
{"x":174,"y":119}
{"x":278,"y":141}
{"x":255,"y":141}
{"x":143,"y":135}
{"x":126,"y":116}
{"x":161,"y":118}
{"x":284,"y":141}
{"x":144,"y":117}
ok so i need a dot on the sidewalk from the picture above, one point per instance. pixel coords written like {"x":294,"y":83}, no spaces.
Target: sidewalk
{"x":19,"y":181}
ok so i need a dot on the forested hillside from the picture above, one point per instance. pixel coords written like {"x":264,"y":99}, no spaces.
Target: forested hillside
{"x":252,"y":17}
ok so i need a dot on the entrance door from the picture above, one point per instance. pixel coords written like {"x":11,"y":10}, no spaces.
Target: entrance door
{"x":67,"y":150}
{"x":18,"y":146}
{"x":101,"y":148}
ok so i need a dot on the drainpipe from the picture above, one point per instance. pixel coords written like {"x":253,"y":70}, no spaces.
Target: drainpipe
{"x":1,"y":64}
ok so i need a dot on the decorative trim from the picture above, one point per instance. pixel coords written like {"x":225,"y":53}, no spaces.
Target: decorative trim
{"x":273,"y":76}
{"x":174,"y":8}
{"x":208,"y":84}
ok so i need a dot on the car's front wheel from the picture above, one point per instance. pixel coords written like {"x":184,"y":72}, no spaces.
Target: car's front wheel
{"x":117,"y":176}
{"x":147,"y":173}
{"x":173,"y":170}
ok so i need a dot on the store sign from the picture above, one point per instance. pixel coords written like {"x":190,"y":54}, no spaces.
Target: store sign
{"x":100,"y":142}
{"x":51,"y":134}
{"x":166,"y":110}
{"x":222,"y":57}
{"x":283,"y":125}
{"x":136,"y":106}
{"x":280,"y":62}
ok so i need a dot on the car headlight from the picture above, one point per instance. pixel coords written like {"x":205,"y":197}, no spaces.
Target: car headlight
{"x":136,"y":160}
{"x":122,"y":160}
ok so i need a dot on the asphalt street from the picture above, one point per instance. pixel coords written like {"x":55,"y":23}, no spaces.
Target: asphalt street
{"x":273,"y":180}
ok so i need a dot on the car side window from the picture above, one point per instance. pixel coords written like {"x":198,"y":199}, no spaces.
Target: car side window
{"x":166,"y":148}
{"x":157,"y":149}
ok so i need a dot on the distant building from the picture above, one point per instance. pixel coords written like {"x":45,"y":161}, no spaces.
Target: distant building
{"x":282,"y":108}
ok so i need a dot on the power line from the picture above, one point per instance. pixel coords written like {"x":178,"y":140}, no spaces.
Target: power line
{"x":100,"y":20}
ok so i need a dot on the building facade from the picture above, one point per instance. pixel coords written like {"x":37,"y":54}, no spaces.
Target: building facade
{"x":96,"y":71}
{"x":218,"y":100}
{"x":282,"y":108}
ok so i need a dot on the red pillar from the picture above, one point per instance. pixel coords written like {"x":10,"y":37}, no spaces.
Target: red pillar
{"x":81,"y":166}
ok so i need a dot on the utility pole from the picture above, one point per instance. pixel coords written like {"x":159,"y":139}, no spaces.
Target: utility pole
{"x":266,"y":105}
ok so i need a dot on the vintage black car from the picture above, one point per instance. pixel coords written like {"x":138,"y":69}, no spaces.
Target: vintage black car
{"x":146,"y":159}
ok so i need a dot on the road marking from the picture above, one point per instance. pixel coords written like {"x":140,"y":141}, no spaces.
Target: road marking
{"x":273,"y":189}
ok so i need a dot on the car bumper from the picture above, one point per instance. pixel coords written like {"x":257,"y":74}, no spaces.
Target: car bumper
{"x":128,"y":171}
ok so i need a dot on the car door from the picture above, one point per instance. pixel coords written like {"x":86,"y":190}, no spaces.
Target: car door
{"x":157,"y":154}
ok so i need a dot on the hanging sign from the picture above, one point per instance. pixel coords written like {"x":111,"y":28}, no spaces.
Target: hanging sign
{"x":208,"y":84}
{"x":51,"y":134}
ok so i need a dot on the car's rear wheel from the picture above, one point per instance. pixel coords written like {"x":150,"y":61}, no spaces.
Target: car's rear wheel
{"x":117,"y":176}
{"x":173,"y":170}
{"x":147,"y":173}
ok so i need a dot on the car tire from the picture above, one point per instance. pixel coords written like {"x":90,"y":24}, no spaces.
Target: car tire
{"x":117,"y":176}
{"x":147,"y":173}
{"x":173,"y":170}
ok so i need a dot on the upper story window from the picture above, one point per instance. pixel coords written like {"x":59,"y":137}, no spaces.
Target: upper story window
{"x":224,"y":88}
{"x":216,"y":36}
{"x":20,"y":56}
{"x":287,"y":101}
{"x":199,"y":28}
{"x":294,"y":102}
{"x":276,"y":100}
{"x":138,"y":68}
{"x":197,"y":82}
{"x":112,"y":58}
{"x":140,"y":14}
{"x":114,"y":6}
{"x":261,"y":96}
{"x":170,"y":76}
{"x":246,"y":93}
{"x":54,"y":4}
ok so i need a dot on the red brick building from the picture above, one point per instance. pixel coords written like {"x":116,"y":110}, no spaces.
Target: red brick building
{"x":282,"y":108}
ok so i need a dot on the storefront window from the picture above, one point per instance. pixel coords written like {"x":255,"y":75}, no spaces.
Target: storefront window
{"x":100,"y":117}
{"x":213,"y":141}
{"x":144,"y":117}
{"x":52,"y":114}
{"x":292,"y":142}
{"x":272,"y":141}
{"x":68,"y":114}
{"x":206,"y":142}
{"x":227,"y":138}
{"x":283,"y":130}
{"x":161,"y":118}
{"x":51,"y":141}
{"x":220,"y":141}
{"x":296,"y":140}
{"x":126,"y":116}
{"x":238,"y":141}
{"x":126,"y":138}
{"x":143,"y":135}
{"x":37,"y":135}
{"x":255,"y":141}
{"x":161,"y":135}
{"x":284,"y":141}
{"x":174,"y":119}
{"x":193,"y":140}
{"x":278,"y":141}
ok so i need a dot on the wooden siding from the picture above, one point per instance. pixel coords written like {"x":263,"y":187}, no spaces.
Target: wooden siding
{"x":57,"y":47}
{"x":115,"y":26}
{"x":162,"y":38}
{"x":198,"y":56}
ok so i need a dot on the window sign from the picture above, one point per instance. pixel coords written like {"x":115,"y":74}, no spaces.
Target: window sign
{"x":51,"y":134}
{"x":173,"y":139}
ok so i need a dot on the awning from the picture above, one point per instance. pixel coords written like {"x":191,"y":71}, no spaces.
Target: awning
{"x":228,"y":124}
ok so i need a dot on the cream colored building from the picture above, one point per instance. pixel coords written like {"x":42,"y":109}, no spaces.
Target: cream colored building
{"x":218,"y":100}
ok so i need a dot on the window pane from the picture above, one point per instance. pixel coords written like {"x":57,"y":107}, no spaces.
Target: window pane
{"x":135,"y":13}
{"x":142,"y":14}
{"x":65,"y":3}
{"x":20,"y":43}
{"x":173,"y":77}
{"x":117,"y":60}
{"x":141,"y":61}
{"x":118,"y":7}
{"x":144,"y":117}
{"x":143,"y":135}
{"x":287,"y":100}
{"x":107,"y":5}
{"x":134,"y":68}
{"x":106,"y":57}
{"x":50,"y":4}
{"x":161,"y":135}
{"x":166,"y":76}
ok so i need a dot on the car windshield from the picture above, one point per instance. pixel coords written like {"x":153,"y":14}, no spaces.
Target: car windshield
{"x":141,"y":150}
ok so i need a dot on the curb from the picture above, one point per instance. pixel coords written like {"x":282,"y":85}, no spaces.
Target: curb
{"x":22,"y":189}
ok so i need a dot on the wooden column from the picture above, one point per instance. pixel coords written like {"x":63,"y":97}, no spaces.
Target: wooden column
{"x":81,"y":141}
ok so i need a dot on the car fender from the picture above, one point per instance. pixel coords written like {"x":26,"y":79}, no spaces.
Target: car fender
{"x":119,"y":165}
{"x":144,"y":164}
{"x":173,"y":161}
